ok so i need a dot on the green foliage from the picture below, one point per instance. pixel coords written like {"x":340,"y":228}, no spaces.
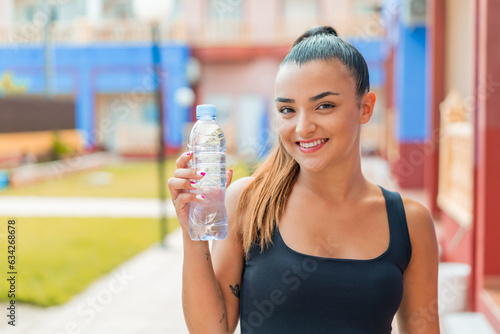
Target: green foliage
{"x":59,"y":257}
{"x":133,"y":179}
{"x":240,"y":169}
{"x":59,"y":149}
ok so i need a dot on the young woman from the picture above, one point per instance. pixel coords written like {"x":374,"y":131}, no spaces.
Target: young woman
{"x":313,"y":247}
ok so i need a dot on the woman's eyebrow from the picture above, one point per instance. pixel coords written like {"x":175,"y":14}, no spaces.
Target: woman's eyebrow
{"x":284,"y":100}
{"x":322,"y":95}
{"x":311,"y":99}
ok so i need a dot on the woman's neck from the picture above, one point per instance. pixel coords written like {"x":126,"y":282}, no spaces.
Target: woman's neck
{"x":341,"y":182}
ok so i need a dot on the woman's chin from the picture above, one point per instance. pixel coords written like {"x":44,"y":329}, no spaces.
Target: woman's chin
{"x":311,"y":167}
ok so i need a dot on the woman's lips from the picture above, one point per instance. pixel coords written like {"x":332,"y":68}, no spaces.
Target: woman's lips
{"x":313,"y":146}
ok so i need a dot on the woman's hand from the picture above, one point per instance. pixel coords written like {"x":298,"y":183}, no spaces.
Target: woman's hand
{"x":181,"y":183}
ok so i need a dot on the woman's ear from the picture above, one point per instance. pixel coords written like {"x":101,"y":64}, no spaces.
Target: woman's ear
{"x":367,"y":105}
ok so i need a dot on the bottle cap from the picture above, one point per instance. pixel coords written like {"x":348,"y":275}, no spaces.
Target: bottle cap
{"x":204,"y":110}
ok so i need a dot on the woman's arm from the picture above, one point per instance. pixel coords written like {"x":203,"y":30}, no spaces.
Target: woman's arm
{"x":211,"y":280}
{"x":204,"y":305}
{"x":418,"y":312}
{"x":228,"y":257}
{"x":202,"y":302}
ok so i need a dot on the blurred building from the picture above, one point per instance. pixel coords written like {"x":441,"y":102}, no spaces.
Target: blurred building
{"x":99,"y":52}
{"x":444,"y":127}
{"x":240,"y":45}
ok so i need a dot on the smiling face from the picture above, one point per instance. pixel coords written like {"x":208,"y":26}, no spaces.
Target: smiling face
{"x":319,"y":114}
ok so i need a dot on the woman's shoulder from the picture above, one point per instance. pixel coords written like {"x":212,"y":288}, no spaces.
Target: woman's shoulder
{"x":233,"y":193}
{"x":417,"y":215}
{"x":235,"y":189}
{"x":420,"y":222}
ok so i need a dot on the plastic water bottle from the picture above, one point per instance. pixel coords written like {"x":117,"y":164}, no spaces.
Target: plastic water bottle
{"x":208,"y":219}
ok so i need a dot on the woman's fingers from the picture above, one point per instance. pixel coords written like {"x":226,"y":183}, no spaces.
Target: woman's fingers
{"x":183,"y":176}
{"x":180,"y":184}
{"x":229,"y":177}
{"x":185,"y":198}
{"x":189,"y":173}
{"x":182,"y":161}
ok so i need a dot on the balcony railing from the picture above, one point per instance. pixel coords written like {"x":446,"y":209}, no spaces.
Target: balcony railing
{"x":366,"y":26}
{"x":214,"y":33}
{"x":456,"y":161}
{"x":82,"y":31}
{"x":221,"y":33}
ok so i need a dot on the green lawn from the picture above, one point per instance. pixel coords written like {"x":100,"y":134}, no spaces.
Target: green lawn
{"x":59,"y":257}
{"x":132,"y":179}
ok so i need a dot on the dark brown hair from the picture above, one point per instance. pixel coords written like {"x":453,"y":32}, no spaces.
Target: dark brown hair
{"x":323,"y":43}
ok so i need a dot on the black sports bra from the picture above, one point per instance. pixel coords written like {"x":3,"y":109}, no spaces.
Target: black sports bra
{"x":283,"y":291}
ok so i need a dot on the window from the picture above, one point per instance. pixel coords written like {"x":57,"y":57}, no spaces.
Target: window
{"x":29,"y":13}
{"x":253,"y":128}
{"x":25,"y":10}
{"x":300,"y":9}
{"x":366,"y":6}
{"x":226,"y":9}
{"x":70,"y":10}
{"x":223,"y":103}
{"x":118,"y":9}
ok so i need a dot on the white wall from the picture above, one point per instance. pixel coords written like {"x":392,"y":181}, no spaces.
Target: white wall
{"x":459,"y":52}
{"x":6,"y":12}
{"x":153,"y":9}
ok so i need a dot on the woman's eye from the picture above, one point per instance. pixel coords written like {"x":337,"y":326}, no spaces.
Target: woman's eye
{"x":326,"y":106}
{"x":286,"y":110}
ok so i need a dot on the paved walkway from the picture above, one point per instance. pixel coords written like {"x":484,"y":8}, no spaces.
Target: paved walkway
{"x":48,"y":206}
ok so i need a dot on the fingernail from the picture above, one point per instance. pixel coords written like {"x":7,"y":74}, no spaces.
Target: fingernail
{"x":200,"y":197}
{"x":189,"y":153}
{"x":231,"y":170}
{"x":200,"y":173}
{"x":194,"y":185}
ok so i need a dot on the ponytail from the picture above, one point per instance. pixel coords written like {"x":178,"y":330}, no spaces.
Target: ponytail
{"x":263,"y":199}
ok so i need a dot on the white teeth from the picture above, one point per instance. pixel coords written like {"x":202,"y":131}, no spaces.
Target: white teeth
{"x":312,"y":144}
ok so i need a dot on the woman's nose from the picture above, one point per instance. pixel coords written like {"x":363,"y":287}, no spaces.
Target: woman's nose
{"x":305,"y":125}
